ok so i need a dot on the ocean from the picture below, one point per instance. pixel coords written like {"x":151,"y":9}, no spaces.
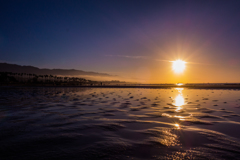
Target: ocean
{"x":119,"y":123}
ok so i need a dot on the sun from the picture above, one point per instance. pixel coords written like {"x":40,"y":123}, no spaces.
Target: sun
{"x":178,"y":66}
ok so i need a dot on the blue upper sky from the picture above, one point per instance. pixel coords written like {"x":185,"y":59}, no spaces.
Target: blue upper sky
{"x":120,"y":37}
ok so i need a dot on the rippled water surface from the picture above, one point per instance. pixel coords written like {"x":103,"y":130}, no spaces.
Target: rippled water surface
{"x":113,"y":123}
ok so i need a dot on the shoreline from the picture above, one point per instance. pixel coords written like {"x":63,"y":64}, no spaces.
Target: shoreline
{"x":208,"y":86}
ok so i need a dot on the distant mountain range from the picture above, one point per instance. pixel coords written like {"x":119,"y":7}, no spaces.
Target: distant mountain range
{"x":5,"y":67}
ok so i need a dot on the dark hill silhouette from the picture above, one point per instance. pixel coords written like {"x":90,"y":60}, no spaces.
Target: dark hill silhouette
{"x":5,"y":67}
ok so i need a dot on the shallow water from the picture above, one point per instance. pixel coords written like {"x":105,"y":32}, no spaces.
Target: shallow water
{"x":103,"y":123}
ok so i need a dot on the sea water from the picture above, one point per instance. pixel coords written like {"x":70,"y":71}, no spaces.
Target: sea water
{"x":119,"y":123}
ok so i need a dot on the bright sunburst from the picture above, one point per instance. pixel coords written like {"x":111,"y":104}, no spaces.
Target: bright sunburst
{"x":178,"y":66}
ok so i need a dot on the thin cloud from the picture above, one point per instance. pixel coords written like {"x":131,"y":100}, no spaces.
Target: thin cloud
{"x":126,"y":56}
{"x":199,"y":63}
{"x":162,"y":60}
{"x":185,"y":62}
{"x":146,"y":57}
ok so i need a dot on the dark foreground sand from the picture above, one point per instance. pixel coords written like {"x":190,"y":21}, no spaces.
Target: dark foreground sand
{"x":119,"y":123}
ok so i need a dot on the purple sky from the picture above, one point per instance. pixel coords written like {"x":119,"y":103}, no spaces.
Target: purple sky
{"x":133,"y":39}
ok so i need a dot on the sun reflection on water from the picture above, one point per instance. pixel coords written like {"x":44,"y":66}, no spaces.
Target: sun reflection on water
{"x":179,"y":100}
{"x":177,"y":125}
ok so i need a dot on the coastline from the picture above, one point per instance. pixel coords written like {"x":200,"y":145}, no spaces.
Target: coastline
{"x":196,"y":86}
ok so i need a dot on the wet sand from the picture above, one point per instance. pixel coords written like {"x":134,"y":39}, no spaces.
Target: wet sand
{"x":119,"y":123}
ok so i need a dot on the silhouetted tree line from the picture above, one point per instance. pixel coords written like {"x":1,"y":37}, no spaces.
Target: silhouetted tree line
{"x":25,"y":78}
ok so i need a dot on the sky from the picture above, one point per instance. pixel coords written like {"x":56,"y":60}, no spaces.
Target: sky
{"x":134,"y":39}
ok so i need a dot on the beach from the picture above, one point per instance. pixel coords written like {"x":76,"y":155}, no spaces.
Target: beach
{"x":119,"y":123}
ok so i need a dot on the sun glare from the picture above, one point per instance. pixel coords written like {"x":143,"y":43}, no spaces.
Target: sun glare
{"x":178,"y":66}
